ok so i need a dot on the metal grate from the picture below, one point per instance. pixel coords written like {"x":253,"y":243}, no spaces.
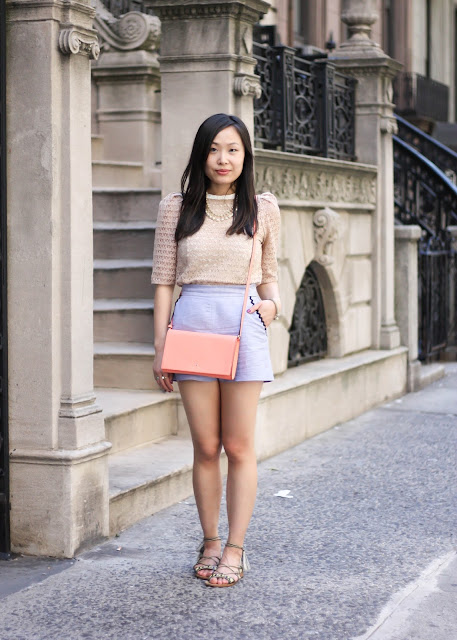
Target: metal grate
{"x":119,"y":7}
{"x":306,"y":105}
{"x":308,"y":332}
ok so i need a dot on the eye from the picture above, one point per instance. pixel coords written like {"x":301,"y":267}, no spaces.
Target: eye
{"x":234,"y":149}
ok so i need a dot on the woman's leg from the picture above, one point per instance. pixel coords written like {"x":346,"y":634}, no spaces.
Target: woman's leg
{"x":239,"y":402}
{"x":202,"y":405}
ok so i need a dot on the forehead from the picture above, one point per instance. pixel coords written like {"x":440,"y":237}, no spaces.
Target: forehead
{"x":228,"y":135}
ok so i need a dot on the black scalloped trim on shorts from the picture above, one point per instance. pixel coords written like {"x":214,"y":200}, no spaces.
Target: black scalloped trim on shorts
{"x":257,"y":312}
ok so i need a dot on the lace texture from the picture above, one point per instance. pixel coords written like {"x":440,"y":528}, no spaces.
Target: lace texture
{"x":210,"y":256}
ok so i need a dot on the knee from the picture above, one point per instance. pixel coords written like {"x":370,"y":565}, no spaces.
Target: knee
{"x":238,"y":450}
{"x":207,"y":451}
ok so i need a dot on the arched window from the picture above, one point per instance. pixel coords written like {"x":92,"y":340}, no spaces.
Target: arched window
{"x":308,"y":332}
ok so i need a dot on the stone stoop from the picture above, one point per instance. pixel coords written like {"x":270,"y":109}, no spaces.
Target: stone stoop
{"x":299,"y":404}
{"x":124,"y":227}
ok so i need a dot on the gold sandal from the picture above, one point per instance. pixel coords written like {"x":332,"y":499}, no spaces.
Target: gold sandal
{"x":205,"y":567}
{"x":237,"y":571}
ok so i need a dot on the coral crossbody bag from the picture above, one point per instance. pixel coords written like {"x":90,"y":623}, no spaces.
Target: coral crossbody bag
{"x":205,"y":354}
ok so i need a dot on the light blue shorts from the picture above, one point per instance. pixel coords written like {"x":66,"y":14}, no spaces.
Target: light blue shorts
{"x":217,"y":309}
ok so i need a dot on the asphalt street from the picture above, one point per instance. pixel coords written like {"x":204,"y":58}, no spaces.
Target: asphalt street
{"x":362,"y":547}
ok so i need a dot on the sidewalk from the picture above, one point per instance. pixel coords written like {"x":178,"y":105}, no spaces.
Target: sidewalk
{"x":364,"y":547}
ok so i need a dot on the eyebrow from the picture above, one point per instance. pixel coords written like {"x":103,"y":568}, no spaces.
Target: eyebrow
{"x":230,"y":143}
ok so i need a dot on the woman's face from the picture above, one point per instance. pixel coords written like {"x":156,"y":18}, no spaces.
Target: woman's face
{"x":225,"y":160}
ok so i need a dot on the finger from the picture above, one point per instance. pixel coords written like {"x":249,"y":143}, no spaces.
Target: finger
{"x":254,"y":308}
{"x":168,"y":382}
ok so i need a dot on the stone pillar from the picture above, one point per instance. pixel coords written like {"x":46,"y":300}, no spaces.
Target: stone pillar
{"x":406,"y":296}
{"x":207,"y":67}
{"x":375,"y":123}
{"x":127,"y":85}
{"x":59,"y":478}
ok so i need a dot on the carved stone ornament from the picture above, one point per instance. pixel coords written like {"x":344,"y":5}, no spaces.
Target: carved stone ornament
{"x":133,"y":30}
{"x":249,"y":11}
{"x":244,"y":85}
{"x":79,"y":41}
{"x":315,"y":184}
{"x":326,"y":223}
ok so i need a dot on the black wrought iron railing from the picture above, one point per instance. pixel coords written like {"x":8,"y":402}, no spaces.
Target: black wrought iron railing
{"x":308,"y":331}
{"x":425,"y":196}
{"x":119,"y":7}
{"x":421,"y":97}
{"x":306,"y":106}
{"x":441,"y":156}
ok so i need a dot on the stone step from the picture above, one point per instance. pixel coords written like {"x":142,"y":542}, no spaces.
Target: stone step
{"x":123,"y":320}
{"x":123,"y":278}
{"x":97,"y":147}
{"x":133,"y":239}
{"x":145,"y":480}
{"x":125,"y":205}
{"x":124,"y":365}
{"x":137,"y":418}
{"x":111,"y":174}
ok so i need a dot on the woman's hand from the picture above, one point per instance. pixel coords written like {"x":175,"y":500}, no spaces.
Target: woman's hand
{"x":266,"y":309}
{"x":163,"y":379}
{"x":162,"y":309}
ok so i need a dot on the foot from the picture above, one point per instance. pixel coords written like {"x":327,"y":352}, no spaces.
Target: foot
{"x":230,"y":566}
{"x":210,"y":558}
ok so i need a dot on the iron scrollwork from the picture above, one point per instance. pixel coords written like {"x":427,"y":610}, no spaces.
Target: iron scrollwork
{"x":426,"y":197}
{"x":308,"y":332}
{"x":306,"y":106}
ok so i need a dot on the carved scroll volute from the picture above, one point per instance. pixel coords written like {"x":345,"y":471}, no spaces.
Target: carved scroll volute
{"x":132,"y":31}
{"x":79,"y":41}
{"x":326,"y":225}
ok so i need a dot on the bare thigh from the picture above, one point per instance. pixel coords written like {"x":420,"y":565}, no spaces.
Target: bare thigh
{"x":239,"y":401}
{"x":203,"y":407}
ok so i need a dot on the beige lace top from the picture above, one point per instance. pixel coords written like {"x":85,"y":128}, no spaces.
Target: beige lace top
{"x":210,"y":256}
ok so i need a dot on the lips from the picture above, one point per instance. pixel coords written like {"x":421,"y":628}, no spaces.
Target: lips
{"x":222,"y":172}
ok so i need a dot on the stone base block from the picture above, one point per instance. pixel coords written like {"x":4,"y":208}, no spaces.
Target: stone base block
{"x":59,"y":500}
{"x":314,"y":397}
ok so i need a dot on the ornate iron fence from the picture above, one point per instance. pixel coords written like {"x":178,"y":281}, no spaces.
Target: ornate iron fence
{"x":443,"y":157}
{"x":4,"y":477}
{"x":421,"y":97}
{"x":308,"y":331}
{"x":119,"y":7}
{"x":306,"y":106}
{"x":425,"y":196}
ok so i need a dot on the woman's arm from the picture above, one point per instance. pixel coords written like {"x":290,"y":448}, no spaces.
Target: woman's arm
{"x":162,"y":310}
{"x":267,"y":308}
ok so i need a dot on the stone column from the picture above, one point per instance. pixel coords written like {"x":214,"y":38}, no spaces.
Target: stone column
{"x":406,"y":296}
{"x":207,"y":67}
{"x":59,"y":479}
{"x":375,"y":124}
{"x":127,"y":85}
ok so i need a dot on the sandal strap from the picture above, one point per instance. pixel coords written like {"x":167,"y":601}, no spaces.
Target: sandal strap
{"x":244,"y":558}
{"x":237,"y":571}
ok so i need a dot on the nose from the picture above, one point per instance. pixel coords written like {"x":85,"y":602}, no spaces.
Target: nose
{"x":223,"y":157}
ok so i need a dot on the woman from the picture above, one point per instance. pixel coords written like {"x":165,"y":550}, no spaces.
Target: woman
{"x":203,"y":243}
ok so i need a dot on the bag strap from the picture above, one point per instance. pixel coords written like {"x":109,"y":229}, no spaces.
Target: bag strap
{"x":248,"y":283}
{"x":246,"y":291}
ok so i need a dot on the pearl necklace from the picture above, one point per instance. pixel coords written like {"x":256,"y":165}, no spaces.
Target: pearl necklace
{"x":218,"y":216}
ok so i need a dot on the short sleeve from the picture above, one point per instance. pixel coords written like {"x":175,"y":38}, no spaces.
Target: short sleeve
{"x":165,"y":247}
{"x":270,"y":217}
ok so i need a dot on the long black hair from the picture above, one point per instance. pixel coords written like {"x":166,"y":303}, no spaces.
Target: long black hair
{"x":194,"y":182}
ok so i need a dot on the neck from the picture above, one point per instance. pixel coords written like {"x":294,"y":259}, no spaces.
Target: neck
{"x":220,"y":190}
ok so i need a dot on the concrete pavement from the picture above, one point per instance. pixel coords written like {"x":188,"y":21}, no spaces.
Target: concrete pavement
{"x":363,"y":547}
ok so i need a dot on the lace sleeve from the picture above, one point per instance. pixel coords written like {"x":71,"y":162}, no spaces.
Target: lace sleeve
{"x":271,"y":221}
{"x":165,"y":247}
